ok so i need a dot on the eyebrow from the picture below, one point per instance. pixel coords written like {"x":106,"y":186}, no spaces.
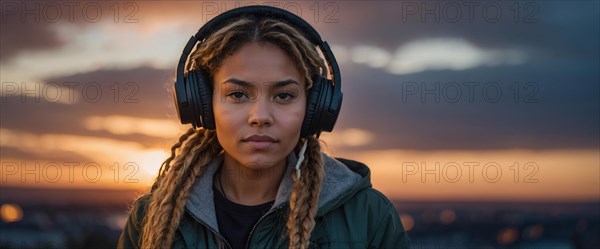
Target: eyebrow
{"x":276,"y":84}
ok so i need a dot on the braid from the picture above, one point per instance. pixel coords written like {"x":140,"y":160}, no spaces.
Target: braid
{"x":305,"y":197}
{"x":164,"y":167}
{"x":172,"y":189}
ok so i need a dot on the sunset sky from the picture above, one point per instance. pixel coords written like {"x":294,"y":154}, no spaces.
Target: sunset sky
{"x":497,"y":100}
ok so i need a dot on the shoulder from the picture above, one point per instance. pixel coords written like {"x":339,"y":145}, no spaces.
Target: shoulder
{"x":367,"y":219}
{"x":373,"y":202}
{"x":379,"y":221}
{"x":362,"y":195}
{"x":366,"y":199}
{"x":130,"y":235}
{"x":139,"y":207}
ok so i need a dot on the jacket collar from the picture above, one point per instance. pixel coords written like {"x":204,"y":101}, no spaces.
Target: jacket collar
{"x":340,"y":182}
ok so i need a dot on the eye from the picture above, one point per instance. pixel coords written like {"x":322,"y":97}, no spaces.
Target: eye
{"x":285,"y":96}
{"x":237,"y":95}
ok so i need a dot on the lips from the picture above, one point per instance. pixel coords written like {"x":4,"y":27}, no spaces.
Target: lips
{"x":260,"y":142}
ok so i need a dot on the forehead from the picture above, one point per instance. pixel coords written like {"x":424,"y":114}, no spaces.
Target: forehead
{"x":259,"y":63}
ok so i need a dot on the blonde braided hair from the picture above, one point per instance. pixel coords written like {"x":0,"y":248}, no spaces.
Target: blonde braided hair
{"x":197,"y":147}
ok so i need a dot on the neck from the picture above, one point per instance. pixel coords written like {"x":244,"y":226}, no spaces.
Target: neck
{"x":248,"y":185}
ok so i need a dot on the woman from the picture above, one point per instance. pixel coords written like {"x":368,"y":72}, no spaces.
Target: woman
{"x":252,"y":174}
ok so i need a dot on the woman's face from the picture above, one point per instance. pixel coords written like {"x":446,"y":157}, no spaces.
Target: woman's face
{"x":259,"y":102}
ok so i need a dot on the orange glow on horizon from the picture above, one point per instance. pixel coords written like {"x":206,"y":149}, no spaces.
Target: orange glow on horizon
{"x":526,"y":175}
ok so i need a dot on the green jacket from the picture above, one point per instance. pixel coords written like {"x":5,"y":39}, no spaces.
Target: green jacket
{"x":351,"y":213}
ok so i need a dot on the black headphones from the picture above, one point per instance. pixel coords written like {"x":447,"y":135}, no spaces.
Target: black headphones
{"x":193,"y":91}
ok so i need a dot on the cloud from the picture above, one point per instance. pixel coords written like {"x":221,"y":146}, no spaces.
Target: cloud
{"x":430,"y":54}
{"x":97,"y":148}
{"x":560,"y":117}
{"x":20,"y":37}
{"x":120,"y":125}
{"x":370,"y":55}
{"x":58,"y":38}
{"x":139,"y":96}
{"x":449,"y":54}
{"x":349,"y":137}
{"x":50,"y":92}
{"x":15,"y":154}
{"x":101,"y":151}
{"x":106,"y":45}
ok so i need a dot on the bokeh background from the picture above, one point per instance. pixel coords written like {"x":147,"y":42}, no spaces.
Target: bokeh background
{"x":479,"y":119}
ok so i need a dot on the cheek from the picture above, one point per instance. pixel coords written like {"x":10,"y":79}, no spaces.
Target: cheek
{"x":292,"y":116}
{"x":291,"y":119}
{"x":226,"y":118}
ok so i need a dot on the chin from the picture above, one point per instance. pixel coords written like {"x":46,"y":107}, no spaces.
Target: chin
{"x":259,"y":162}
{"x":258,"y":159}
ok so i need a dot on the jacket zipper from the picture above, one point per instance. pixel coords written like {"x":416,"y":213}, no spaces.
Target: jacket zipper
{"x":255,"y":225}
{"x":212,"y":230}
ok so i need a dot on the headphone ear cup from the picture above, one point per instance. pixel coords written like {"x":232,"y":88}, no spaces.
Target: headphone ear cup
{"x":313,"y":107}
{"x":181,"y":96}
{"x":201,"y":86}
{"x":332,"y":102}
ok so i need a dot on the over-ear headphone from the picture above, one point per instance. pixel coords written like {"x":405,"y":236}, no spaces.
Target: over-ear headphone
{"x":193,"y":90}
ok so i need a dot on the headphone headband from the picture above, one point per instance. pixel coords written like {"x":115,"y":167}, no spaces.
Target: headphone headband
{"x":184,"y":101}
{"x":259,"y":11}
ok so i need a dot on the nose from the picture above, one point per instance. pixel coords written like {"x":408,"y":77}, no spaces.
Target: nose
{"x":260,"y":113}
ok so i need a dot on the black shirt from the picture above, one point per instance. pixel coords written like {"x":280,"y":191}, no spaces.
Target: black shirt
{"x":235,"y":220}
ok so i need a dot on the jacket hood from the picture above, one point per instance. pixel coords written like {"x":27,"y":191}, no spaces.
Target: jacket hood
{"x":342,"y":179}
